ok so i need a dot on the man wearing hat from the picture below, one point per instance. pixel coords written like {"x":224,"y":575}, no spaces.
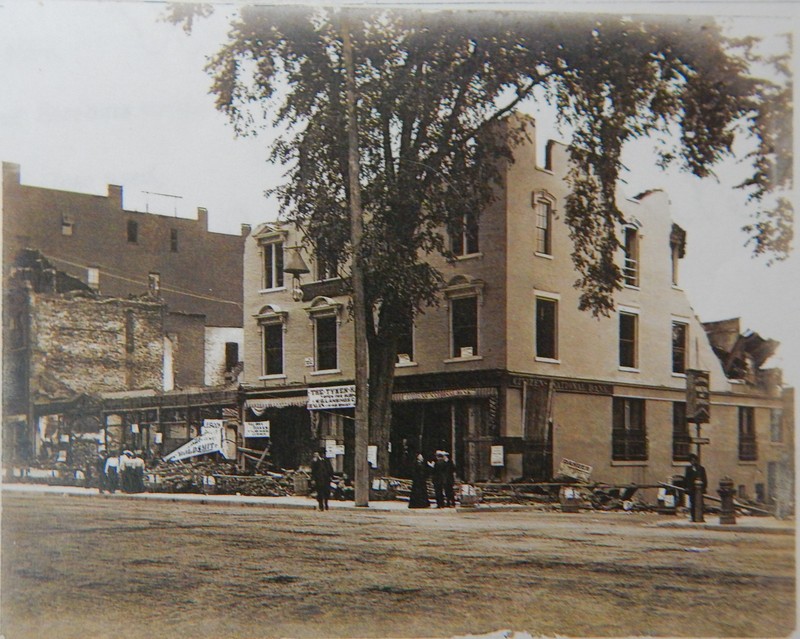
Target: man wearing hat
{"x":439,"y":475}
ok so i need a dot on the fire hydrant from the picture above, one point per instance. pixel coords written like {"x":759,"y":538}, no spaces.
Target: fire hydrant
{"x":727,"y":511}
{"x":697,"y":501}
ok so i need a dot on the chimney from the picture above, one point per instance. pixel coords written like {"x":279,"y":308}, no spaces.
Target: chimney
{"x":115,"y":195}
{"x":11,"y":173}
{"x":202,"y":217}
{"x":246,"y":228}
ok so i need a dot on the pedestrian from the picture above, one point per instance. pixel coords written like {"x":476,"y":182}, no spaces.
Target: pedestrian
{"x":438,"y":476}
{"x":449,"y":481}
{"x":100,"y":467}
{"x":112,"y":473}
{"x":137,"y":474}
{"x":321,"y":475}
{"x":126,"y":471}
{"x":419,"y":483}
{"x":693,"y":472}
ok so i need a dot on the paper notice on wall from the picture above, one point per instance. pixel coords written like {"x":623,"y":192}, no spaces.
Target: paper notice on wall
{"x":158,"y":438}
{"x":497,"y":456}
{"x":340,"y":449}
{"x":134,"y":428}
{"x":372,"y":456}
{"x":330,"y":448}
{"x":256,"y":429}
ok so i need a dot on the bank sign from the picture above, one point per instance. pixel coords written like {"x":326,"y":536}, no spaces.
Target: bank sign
{"x":331,"y":397}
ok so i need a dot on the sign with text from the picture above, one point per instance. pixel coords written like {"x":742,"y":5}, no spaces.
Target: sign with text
{"x":698,"y":408}
{"x":497,"y":456}
{"x":569,"y":468}
{"x":332,"y":397}
{"x":372,"y":456}
{"x":330,"y":448}
{"x":209,"y":441}
{"x":256,"y":429}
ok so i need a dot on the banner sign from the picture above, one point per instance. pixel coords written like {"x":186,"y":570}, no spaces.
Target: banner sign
{"x":698,"y":409}
{"x":497,"y":457}
{"x":256,"y":429}
{"x":332,"y":397}
{"x":573,"y":469}
{"x":209,"y":441}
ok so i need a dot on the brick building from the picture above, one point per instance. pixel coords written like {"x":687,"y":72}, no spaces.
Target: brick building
{"x":91,"y":247}
{"x":507,"y":373}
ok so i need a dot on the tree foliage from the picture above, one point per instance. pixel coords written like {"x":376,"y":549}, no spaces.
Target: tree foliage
{"x":434,"y":92}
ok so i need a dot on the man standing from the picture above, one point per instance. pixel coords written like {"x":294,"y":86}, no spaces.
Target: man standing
{"x":112,"y":473}
{"x":439,"y":473}
{"x":449,"y":481}
{"x":321,"y":474}
{"x":694,"y":471}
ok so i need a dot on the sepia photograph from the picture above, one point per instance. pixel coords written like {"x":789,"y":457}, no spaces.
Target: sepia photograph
{"x":449,"y":320}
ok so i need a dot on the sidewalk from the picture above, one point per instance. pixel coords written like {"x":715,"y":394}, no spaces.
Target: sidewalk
{"x":767,"y":525}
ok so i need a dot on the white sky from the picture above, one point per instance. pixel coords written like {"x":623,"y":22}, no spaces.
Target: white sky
{"x":93,"y":93}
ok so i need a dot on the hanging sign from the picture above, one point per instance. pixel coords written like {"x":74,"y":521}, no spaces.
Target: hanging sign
{"x":256,"y":429}
{"x":332,"y":397}
{"x":209,"y":441}
{"x":372,"y":456}
{"x":497,"y":457}
{"x":698,"y":409}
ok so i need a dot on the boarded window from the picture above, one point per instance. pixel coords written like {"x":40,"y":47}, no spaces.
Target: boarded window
{"x":629,"y":431}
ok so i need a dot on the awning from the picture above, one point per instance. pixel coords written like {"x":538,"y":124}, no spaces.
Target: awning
{"x":258,"y":406}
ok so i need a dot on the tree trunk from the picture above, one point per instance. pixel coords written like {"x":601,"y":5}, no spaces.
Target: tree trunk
{"x":383,"y":353}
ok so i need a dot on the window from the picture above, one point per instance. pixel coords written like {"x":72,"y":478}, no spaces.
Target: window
{"x":67,"y":225}
{"x":546,"y":328}
{"x":776,"y":425}
{"x":630,"y":269}
{"x":677,"y":245}
{"x":154,"y":283}
{"x":681,"y":439}
{"x":679,"y":335}
{"x":405,"y":342}
{"x":231,"y":355}
{"x":273,"y":348}
{"x":133,"y":231}
{"x":627,"y":339}
{"x":93,"y":277}
{"x":129,"y":332}
{"x":464,"y":325}
{"x":629,"y":433}
{"x":326,"y":343}
{"x":325,"y":269}
{"x":173,"y":240}
{"x":747,"y":434}
{"x":543,"y":204}
{"x":273,"y":265}
{"x":464,"y":236}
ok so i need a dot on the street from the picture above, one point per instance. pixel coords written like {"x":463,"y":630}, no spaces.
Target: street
{"x":94,"y":566}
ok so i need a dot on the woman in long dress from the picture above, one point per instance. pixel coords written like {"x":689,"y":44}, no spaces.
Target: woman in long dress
{"x":419,"y":484}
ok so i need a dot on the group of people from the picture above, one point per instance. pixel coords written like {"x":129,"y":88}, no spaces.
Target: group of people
{"x":120,"y":472}
{"x":442,"y":472}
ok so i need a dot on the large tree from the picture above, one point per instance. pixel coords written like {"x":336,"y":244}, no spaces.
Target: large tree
{"x":434,"y":92}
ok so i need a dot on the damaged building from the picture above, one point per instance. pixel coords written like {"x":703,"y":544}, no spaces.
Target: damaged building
{"x":506,"y":373}
{"x":130,"y":319}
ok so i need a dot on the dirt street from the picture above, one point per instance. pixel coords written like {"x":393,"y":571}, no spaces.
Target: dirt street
{"x":115,"y":567}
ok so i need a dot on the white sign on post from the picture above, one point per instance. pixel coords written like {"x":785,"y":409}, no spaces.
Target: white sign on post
{"x":340,"y":449}
{"x":330,"y":448}
{"x":497,"y":457}
{"x":256,"y":429}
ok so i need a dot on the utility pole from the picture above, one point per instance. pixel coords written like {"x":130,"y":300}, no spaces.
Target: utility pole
{"x":357,"y":276}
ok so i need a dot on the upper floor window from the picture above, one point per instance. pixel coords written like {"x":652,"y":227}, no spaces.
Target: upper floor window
{"x":629,"y":430}
{"x":273,"y":264}
{"x":464,"y":236}
{"x":133,"y":231}
{"x":543,"y":204}
{"x":326,"y":338}
{"x":748,"y":450}
{"x":173,"y":240}
{"x":680,"y":333}
{"x":326,"y":270}
{"x":546,"y":328}
{"x":405,"y":342}
{"x":231,"y":355}
{"x":776,"y":425}
{"x":464,"y":326}
{"x":628,"y":329}
{"x":67,"y":225}
{"x":677,"y":245}
{"x":154,"y":283}
{"x":681,"y":439}
{"x":630,"y":268}
{"x":130,"y":332}
{"x":273,"y":322}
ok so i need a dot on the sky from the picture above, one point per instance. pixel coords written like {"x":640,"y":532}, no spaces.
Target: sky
{"x":95,"y":93}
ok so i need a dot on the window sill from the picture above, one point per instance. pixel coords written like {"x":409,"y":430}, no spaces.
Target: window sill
{"x":747,"y":463}
{"x":470,"y":256}
{"x":626,"y":369}
{"x":456,"y":360}
{"x":680,"y":464}
{"x":405,"y":364}
{"x":546,"y":256}
{"x":628,"y":463}
{"x":679,"y":375}
{"x":331,"y":371}
{"x":272,"y":290}
{"x":774,"y":443}
{"x":547,"y":360}
{"x":631,"y":287}
{"x":278,"y":376}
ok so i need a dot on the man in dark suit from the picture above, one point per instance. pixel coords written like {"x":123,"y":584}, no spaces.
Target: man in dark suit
{"x":694,"y":471}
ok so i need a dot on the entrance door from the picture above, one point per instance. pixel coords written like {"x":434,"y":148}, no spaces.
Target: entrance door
{"x":537,"y":454}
